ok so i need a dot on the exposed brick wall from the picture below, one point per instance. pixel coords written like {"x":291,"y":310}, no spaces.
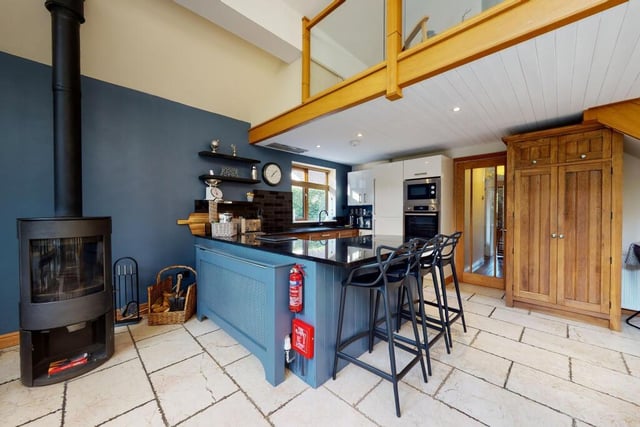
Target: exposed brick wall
{"x":277,"y":209}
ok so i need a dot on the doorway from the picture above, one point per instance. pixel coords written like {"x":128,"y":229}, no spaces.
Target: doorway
{"x":480,"y":215}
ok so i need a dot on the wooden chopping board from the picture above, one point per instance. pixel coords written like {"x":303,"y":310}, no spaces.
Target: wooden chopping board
{"x":198,"y":223}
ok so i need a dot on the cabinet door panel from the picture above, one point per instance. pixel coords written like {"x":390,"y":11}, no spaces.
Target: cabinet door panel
{"x":360,"y":187}
{"x":390,"y":226}
{"x":534,"y":255}
{"x":584,"y":221}
{"x":388,"y":186}
{"x":583,"y":146}
{"x":423,"y":167}
{"x":536,"y":153}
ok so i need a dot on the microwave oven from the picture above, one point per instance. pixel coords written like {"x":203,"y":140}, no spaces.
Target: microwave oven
{"x":422,"y":194}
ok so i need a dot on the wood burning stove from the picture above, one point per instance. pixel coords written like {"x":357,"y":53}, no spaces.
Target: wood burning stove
{"x":66,"y":293}
{"x":66,"y":297}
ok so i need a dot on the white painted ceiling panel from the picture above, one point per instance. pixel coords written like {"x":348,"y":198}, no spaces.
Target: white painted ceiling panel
{"x":546,"y":55}
{"x":603,"y":52}
{"x":522,"y":105}
{"x":565,"y":63}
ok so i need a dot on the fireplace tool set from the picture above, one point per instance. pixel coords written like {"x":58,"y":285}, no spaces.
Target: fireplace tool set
{"x":126,"y":291}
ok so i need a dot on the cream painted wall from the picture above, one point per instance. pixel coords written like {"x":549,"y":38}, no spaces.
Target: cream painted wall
{"x":160,"y":48}
{"x":630,"y":201}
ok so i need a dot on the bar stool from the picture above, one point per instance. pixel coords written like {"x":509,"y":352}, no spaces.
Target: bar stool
{"x":444,"y":257}
{"x":391,"y":268}
{"x":422,"y":264}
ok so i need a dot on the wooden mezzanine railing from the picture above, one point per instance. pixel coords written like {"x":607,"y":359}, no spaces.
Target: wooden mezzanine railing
{"x":500,"y":27}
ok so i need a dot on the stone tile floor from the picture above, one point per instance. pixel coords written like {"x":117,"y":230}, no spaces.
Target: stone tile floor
{"x":512,"y":368}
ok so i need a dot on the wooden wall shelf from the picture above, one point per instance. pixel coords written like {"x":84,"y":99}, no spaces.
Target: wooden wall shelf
{"x":227,"y":157}
{"x":229,"y":179}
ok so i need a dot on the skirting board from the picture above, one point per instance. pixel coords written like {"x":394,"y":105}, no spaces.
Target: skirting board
{"x":9,"y":340}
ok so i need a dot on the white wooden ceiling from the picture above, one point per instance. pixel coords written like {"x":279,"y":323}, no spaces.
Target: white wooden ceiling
{"x":543,"y":82}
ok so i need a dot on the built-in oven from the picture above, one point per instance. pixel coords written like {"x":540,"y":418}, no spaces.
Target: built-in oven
{"x":421,"y":207}
{"x":424,"y":225}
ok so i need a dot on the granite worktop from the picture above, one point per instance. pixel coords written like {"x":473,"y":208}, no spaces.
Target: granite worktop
{"x":346,"y":251}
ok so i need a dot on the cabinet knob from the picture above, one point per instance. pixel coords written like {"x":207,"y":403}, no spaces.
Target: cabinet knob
{"x":560,"y":236}
{"x":533,"y":162}
{"x":583,"y":156}
{"x":554,"y":235}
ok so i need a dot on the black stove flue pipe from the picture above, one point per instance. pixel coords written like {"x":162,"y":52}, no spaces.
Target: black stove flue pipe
{"x":66,"y":17}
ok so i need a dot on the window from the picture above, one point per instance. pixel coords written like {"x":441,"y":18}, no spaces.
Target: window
{"x":313,"y":191}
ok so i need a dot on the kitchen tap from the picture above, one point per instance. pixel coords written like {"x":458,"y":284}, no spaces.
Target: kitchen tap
{"x":320,"y":215}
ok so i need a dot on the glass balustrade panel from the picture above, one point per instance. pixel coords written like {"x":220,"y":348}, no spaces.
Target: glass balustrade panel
{"x":423,"y":19}
{"x":348,"y":41}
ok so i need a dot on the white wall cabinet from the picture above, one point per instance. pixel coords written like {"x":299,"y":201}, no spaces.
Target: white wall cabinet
{"x":387,"y":209}
{"x":423,"y":167}
{"x":360,"y":187}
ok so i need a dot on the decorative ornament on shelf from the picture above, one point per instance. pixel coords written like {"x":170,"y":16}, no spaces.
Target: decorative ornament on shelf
{"x":231,"y":172}
{"x":214,"y":145}
{"x":234,"y":150}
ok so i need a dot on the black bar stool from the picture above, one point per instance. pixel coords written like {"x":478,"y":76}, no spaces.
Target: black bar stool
{"x":425,"y":254}
{"x":391,"y":268}
{"x":446,"y":256}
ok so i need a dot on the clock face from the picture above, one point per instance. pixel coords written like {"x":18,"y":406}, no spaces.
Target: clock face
{"x":215,"y":192}
{"x":272,"y":174}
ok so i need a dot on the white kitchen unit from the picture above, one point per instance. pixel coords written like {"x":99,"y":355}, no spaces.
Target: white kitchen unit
{"x":424,"y":167}
{"x":436,"y":166}
{"x":387,"y":208}
{"x":447,"y":220}
{"x":360,"y":187}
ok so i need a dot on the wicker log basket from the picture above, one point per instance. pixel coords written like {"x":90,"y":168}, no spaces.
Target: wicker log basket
{"x":168,"y":303}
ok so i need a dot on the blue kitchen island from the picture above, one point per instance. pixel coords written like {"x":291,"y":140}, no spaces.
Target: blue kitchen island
{"x":243,"y":287}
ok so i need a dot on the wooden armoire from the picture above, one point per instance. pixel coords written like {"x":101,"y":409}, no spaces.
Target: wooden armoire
{"x":564,"y":222}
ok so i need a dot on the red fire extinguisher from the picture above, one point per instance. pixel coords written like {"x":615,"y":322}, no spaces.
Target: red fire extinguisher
{"x":295,"y":288}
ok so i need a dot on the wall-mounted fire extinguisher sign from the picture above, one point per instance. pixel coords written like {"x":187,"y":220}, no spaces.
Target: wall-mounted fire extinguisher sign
{"x":296,"y":275}
{"x":303,"y":336}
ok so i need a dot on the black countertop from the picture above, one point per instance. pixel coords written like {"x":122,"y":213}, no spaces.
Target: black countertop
{"x":345,"y":251}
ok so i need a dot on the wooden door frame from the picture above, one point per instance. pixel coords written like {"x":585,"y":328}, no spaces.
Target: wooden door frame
{"x":460,"y":165}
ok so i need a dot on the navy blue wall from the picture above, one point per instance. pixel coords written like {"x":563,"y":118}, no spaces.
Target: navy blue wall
{"x":140,"y":166}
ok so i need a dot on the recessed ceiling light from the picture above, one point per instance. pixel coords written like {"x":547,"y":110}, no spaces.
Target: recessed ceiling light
{"x":359,"y":134}
{"x":318,"y":146}
{"x":455,"y":109}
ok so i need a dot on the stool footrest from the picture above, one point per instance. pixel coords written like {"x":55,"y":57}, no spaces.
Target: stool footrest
{"x":398,"y":341}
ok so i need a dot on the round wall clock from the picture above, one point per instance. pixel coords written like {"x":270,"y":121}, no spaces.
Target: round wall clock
{"x":272,"y":173}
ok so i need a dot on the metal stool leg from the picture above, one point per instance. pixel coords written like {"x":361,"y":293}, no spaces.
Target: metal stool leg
{"x":456,"y":284}
{"x":631,"y":317}
{"x":343,"y":296}
{"x":443,"y":324}
{"x":391,"y":345}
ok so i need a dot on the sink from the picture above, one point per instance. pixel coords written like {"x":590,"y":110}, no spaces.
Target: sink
{"x":317,"y":227}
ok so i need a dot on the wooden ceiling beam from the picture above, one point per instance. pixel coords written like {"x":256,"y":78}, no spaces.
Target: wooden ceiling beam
{"x":622,"y":116}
